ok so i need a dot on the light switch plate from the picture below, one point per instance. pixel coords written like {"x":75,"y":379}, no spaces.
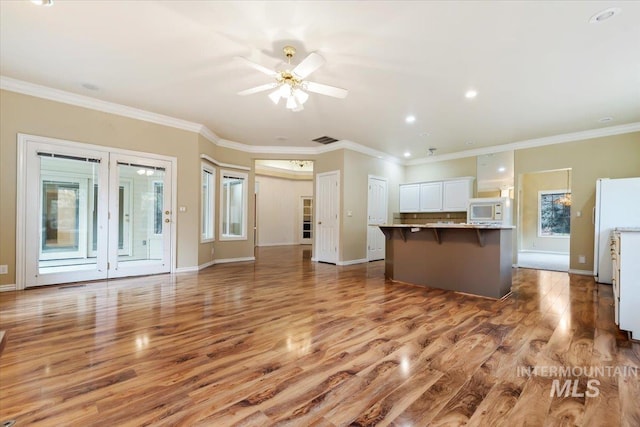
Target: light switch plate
{"x":4,"y":269}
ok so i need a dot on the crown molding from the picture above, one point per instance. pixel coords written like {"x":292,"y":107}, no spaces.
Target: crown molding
{"x":32,"y":89}
{"x":65,"y":97}
{"x":533,"y":143}
{"x":224,"y":165}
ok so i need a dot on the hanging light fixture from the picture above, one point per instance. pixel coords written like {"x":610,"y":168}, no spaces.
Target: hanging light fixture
{"x":565,"y":200}
{"x":290,"y":87}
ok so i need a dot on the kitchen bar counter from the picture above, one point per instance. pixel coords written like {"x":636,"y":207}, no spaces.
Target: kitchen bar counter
{"x":470,"y":258}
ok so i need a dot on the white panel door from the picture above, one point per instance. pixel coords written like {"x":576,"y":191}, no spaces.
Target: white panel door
{"x":327,"y":208}
{"x":377,"y":214}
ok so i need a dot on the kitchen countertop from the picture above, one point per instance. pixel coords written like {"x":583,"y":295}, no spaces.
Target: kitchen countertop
{"x":451,"y":225}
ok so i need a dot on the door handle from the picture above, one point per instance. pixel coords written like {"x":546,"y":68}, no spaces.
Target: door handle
{"x":167,"y":212}
{"x":319,"y":222}
{"x":167,"y":220}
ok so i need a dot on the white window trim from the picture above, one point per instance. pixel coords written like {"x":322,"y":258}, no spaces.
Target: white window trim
{"x":245,"y":178}
{"x":212,"y":203}
{"x":540,"y":194}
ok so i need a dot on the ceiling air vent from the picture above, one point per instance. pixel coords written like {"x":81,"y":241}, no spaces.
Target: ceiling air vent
{"x":325,"y":140}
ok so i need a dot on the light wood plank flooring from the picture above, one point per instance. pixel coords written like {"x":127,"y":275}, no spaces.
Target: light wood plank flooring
{"x":289,"y":342}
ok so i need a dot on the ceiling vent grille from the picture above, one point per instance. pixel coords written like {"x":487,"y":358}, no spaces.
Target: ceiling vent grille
{"x":325,"y":140}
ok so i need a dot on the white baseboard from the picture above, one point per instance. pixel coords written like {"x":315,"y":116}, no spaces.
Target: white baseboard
{"x":192,"y":269}
{"x":206,"y":264}
{"x":8,"y":288}
{"x":353,"y":261}
{"x":278,"y":244}
{"x":528,"y":251}
{"x":227,"y":260}
{"x":581,"y":272}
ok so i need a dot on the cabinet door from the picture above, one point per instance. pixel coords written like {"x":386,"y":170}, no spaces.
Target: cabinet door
{"x":431,"y":196}
{"x":456,"y":195}
{"x":409,"y":197}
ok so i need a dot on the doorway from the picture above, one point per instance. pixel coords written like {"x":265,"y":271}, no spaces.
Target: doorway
{"x":544,"y":220}
{"x":89,"y":212}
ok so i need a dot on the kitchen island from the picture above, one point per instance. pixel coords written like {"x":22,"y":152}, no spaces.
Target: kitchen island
{"x":475,"y":259}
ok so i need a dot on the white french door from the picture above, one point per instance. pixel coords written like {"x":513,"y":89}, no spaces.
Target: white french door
{"x":86,"y":213}
{"x":327,"y":208}
{"x":377,"y":214}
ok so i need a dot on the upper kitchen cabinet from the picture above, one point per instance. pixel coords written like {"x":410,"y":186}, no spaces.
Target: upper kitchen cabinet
{"x":436,"y":196}
{"x":431,"y":196}
{"x":456,"y":194}
{"x":409,"y":198}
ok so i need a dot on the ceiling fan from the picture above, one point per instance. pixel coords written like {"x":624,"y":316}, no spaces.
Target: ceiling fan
{"x":291,"y":84}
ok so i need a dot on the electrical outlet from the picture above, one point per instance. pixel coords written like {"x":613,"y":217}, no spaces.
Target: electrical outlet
{"x":582,"y":259}
{"x":4,"y":269}
{"x":212,"y":250}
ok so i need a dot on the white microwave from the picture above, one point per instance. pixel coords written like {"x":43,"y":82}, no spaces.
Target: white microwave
{"x":490,"y":210}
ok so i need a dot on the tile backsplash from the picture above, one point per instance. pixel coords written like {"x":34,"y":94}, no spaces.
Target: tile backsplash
{"x":428,"y":217}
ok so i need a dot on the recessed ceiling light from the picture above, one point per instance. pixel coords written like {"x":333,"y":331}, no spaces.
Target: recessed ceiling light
{"x":471,"y":93}
{"x":407,"y":154}
{"x":42,"y":2}
{"x":605,"y":119}
{"x":90,"y":86}
{"x":502,"y":169}
{"x":604,"y":15}
{"x":469,"y":143}
{"x":410,"y":119}
{"x":423,"y":134}
{"x":281,"y":138}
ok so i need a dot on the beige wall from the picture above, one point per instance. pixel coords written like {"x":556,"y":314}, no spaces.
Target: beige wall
{"x":613,"y":157}
{"x":36,"y":116}
{"x":441,"y":170}
{"x":355,"y":183}
{"x":531,"y":184}
{"x":228,"y":249}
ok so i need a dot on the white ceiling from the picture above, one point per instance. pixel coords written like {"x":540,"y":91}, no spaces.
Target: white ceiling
{"x":540,"y":68}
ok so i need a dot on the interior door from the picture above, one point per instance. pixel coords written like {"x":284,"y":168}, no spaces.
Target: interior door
{"x":145,"y":218}
{"x":327,"y":224}
{"x":305,"y":234}
{"x":377,"y":214}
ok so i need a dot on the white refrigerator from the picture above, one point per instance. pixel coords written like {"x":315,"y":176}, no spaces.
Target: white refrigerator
{"x":617,"y":205}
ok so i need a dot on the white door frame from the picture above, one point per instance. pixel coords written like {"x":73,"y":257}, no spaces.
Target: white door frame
{"x":386,"y":206}
{"x":318,"y":202}
{"x":23,"y":141}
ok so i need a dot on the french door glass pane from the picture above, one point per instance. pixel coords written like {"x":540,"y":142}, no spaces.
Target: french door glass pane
{"x":140,"y":214}
{"x":67,"y":215}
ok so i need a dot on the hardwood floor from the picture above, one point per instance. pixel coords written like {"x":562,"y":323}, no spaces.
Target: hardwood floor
{"x":289,"y":342}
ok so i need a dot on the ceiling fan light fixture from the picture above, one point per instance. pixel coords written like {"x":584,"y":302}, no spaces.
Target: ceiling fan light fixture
{"x":275,"y":96}
{"x":300,"y":96}
{"x":291,"y":103}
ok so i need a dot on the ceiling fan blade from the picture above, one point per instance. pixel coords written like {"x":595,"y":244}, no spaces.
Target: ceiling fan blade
{"x":257,"y":89}
{"x":326,"y":89}
{"x":258,"y":67}
{"x":308,"y":65}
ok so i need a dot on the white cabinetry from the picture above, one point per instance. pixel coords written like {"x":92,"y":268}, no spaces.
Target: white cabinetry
{"x":625,"y":253}
{"x":456,"y":195}
{"x":410,"y":198}
{"x":431,"y":196}
{"x":451,"y":195}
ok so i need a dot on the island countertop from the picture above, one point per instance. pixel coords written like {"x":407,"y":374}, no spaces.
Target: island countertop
{"x":449,"y":225}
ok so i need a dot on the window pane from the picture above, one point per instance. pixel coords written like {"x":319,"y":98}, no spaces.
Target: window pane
{"x":207,"y":213}
{"x":233,"y":205}
{"x":555,"y":214}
